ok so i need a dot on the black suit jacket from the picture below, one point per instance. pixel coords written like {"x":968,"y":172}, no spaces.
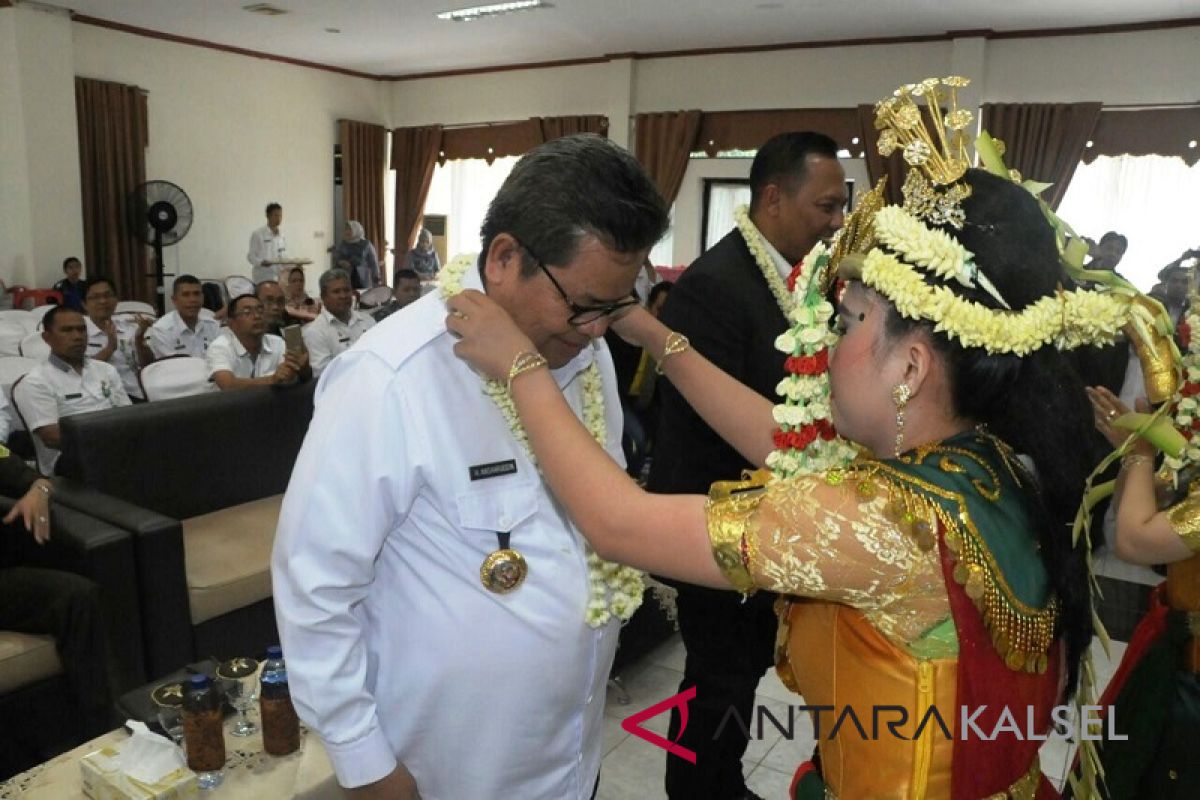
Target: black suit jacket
{"x":723,"y":305}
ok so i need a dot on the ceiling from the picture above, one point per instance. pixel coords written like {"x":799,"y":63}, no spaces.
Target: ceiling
{"x":403,"y":37}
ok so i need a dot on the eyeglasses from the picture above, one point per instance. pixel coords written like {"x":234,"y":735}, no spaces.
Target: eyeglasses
{"x":251,"y":311}
{"x":100,"y":296}
{"x":580,"y":315}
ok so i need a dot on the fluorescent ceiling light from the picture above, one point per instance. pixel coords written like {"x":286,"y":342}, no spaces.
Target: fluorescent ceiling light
{"x":495,"y":9}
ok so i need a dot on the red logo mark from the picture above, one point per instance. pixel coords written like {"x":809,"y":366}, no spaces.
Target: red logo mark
{"x":632,"y":724}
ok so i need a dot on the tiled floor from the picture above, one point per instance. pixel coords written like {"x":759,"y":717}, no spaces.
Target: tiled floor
{"x":633,"y":769}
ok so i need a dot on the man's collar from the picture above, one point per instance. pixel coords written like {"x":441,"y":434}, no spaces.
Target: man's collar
{"x":92,"y":328}
{"x":330,"y":318}
{"x":781,"y":263}
{"x":62,"y":365}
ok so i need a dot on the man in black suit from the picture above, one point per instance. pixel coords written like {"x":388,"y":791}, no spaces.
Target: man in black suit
{"x":725,"y":306}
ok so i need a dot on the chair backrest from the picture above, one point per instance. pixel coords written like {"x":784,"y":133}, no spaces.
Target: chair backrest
{"x":374,"y":298}
{"x":38,"y":313}
{"x":215,"y":297}
{"x":31,"y":298}
{"x":11,"y":369}
{"x":11,"y":334}
{"x":35,"y":347}
{"x":21,"y":317}
{"x":175,"y":376}
{"x":135,"y":307}
{"x":236,"y":285}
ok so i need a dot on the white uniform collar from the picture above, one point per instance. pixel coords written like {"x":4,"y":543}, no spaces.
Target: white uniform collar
{"x":268,"y":345}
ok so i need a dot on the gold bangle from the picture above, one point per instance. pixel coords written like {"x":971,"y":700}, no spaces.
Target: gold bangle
{"x":524,"y":362}
{"x":676,"y":344}
{"x":1133,"y":459}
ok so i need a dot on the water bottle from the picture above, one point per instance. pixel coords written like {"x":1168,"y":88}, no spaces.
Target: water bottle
{"x":280,"y":727}
{"x":203,"y":734}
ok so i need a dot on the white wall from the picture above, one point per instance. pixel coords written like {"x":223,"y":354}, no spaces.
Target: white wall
{"x":39,"y":167}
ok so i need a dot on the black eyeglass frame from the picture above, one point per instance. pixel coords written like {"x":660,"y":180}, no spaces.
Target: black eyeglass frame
{"x":580,"y":315}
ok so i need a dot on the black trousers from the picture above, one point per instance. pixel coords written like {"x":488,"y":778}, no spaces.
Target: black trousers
{"x":66,"y":606}
{"x":730,"y":645}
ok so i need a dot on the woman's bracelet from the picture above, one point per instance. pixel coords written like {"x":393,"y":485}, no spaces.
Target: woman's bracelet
{"x":43,"y":486}
{"x":524,"y":362}
{"x":676,"y":344}
{"x":1133,"y":459}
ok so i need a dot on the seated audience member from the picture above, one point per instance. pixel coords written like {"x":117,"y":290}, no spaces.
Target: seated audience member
{"x":214,"y":301}
{"x":355,"y":254}
{"x":49,"y":602}
{"x":422,"y":258}
{"x":406,"y":290}
{"x":67,"y":383}
{"x":339,"y":325}
{"x":270,"y":294}
{"x":190,"y":328}
{"x":300,"y":308}
{"x":246,"y":355}
{"x":1175,"y":279}
{"x":121,"y":341}
{"x":71,"y":286}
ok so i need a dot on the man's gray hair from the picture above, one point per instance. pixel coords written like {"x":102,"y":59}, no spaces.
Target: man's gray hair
{"x":331,"y":275}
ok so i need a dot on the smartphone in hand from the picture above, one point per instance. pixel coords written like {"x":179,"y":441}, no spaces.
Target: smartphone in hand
{"x":293,"y":339}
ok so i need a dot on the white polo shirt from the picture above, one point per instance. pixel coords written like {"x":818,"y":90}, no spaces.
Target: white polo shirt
{"x":266,"y":245}
{"x":227,"y":353}
{"x":53,"y":390}
{"x":395,"y":650}
{"x":124,"y":357}
{"x":170,"y":335}
{"x":327,"y":336}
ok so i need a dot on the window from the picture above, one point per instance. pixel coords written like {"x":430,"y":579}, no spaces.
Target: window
{"x":462,"y":190}
{"x":1149,"y":199}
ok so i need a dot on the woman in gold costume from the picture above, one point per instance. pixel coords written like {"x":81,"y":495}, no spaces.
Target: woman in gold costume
{"x":932,"y":582}
{"x":1156,"y":690}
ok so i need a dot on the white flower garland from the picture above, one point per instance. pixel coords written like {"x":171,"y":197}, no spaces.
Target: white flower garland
{"x":754,"y":240}
{"x":806,"y":396}
{"x":613,"y":589}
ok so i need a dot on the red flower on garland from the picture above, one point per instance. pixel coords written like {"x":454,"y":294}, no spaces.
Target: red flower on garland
{"x":794,"y":276}
{"x":1190,"y":389}
{"x":1184,"y":331}
{"x":805,"y":435}
{"x":816,"y":364}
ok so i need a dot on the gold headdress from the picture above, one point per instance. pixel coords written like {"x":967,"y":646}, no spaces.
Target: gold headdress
{"x":894,"y":249}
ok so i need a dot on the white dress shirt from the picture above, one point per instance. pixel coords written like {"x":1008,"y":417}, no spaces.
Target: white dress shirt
{"x":266,"y":245}
{"x":170,"y":335}
{"x":7,"y":415}
{"x":395,"y":650}
{"x":53,"y":390}
{"x":228,"y":353}
{"x":327,"y":336}
{"x":124,"y":355}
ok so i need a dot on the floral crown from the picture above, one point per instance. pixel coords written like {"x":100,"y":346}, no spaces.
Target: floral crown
{"x":894,"y":249}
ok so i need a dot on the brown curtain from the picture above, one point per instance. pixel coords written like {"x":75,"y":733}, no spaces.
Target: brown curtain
{"x":113,"y":135}
{"x":364,"y":150}
{"x":878,"y":166}
{"x":750,"y":130}
{"x":414,"y":154}
{"x":1146,"y":131}
{"x":554,"y":127}
{"x":1043,"y":141}
{"x":663,"y":142}
{"x":490,"y":141}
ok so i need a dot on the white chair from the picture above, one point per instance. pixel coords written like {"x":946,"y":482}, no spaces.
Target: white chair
{"x":374,"y":298}
{"x":21,"y":317}
{"x":175,"y":376}
{"x":238,"y":285}
{"x":35,"y":347}
{"x":11,"y":334}
{"x":135,"y":307}
{"x":12,"y":369}
{"x":46,"y":456}
{"x":38,"y":312}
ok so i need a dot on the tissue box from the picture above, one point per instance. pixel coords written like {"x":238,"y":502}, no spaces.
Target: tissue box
{"x":103,"y":780}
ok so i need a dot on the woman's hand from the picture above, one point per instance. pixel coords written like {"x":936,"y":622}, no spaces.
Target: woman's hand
{"x":637,"y":327}
{"x":34,"y":510}
{"x":1107,"y":407}
{"x":489,"y":340}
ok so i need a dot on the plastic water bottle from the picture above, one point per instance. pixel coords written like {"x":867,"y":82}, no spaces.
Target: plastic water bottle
{"x":203,"y":734}
{"x":280,"y":727}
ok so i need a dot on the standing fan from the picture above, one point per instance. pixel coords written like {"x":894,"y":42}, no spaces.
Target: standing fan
{"x":160,"y":215}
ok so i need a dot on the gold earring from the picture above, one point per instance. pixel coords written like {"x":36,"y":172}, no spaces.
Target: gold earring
{"x":900,"y":397}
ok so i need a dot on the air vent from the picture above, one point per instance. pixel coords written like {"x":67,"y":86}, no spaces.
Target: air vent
{"x":266,"y":9}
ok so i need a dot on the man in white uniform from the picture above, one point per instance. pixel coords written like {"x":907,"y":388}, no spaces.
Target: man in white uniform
{"x":416,"y":672}
{"x":339,"y":325}
{"x":268,"y":247}
{"x":245,"y":355}
{"x":119,"y":340}
{"x":190,"y":328}
{"x":67,"y":383}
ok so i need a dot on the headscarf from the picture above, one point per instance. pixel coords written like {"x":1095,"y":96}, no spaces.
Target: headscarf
{"x":356,"y":230}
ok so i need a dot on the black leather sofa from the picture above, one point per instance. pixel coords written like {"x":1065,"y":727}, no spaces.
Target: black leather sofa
{"x":196,"y":482}
{"x":36,"y":718}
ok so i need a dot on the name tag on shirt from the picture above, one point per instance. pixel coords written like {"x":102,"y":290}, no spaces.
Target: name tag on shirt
{"x":95,"y":346}
{"x":344,"y":341}
{"x":481,"y":472}
{"x":72,"y":396}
